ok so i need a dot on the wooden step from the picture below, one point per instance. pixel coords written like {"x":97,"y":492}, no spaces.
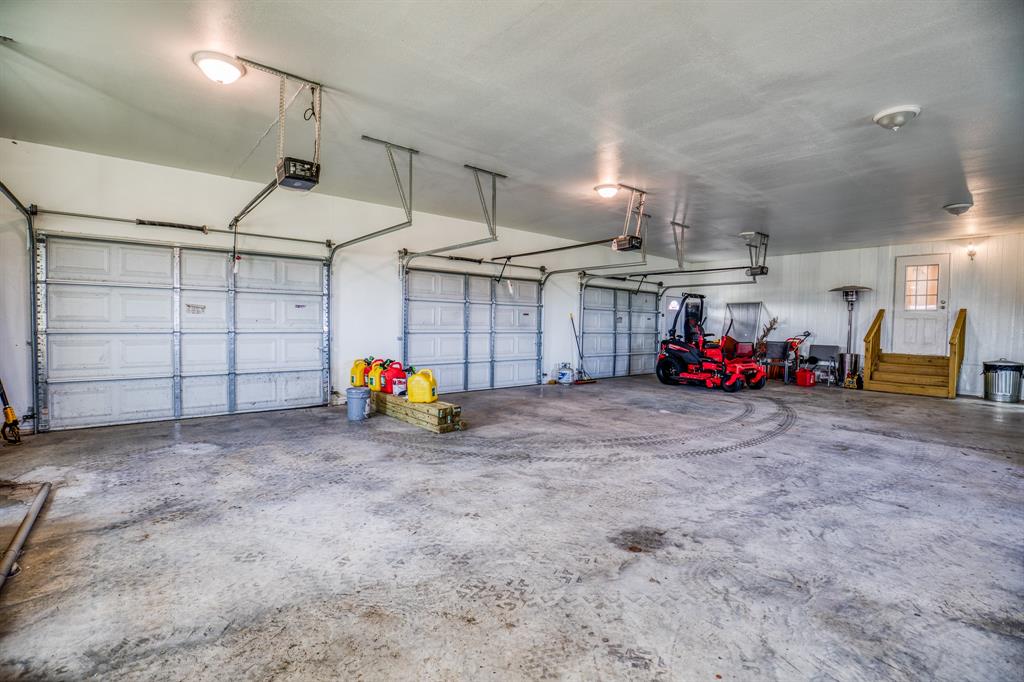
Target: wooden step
{"x":917,"y":379}
{"x":439,"y":416}
{"x":919,"y":370}
{"x":906,"y":389}
{"x":907,"y":359}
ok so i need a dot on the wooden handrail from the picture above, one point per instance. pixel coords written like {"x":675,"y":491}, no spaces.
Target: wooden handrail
{"x":957,"y":339}
{"x":873,"y":346}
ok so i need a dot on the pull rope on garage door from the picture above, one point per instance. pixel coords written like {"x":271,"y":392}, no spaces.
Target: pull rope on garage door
{"x":471,"y":331}
{"x":619,"y":330}
{"x":130,"y":332}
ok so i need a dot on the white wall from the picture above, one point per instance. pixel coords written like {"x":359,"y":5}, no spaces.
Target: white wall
{"x":366,"y":291}
{"x":796,"y":290}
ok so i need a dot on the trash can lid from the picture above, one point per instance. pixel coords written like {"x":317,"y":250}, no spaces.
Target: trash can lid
{"x":1003,"y":363}
{"x":357,"y":392}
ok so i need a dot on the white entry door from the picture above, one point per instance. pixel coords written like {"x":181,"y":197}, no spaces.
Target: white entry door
{"x":921,"y":319}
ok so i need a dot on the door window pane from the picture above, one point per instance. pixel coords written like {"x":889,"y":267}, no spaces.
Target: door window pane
{"x":922,"y":287}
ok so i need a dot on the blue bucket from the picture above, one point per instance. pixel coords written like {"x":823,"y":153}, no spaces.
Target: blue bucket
{"x":357,"y":400}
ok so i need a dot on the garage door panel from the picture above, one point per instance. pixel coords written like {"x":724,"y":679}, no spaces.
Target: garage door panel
{"x":643,"y":343}
{"x":459,"y":325}
{"x":204,"y":310}
{"x":204,"y":395}
{"x":480,"y":347}
{"x":449,"y":377}
{"x":204,"y":353}
{"x":515,"y":373}
{"x":644,"y":302}
{"x":277,"y":352}
{"x":277,"y":312}
{"x":598,"y":321}
{"x":523,"y":292}
{"x":644,"y":364}
{"x":102,"y":356}
{"x":598,"y":298}
{"x":86,"y":261}
{"x":479,"y":375}
{"x":515,"y":318}
{"x":598,"y":344}
{"x":111,"y":321}
{"x":94,"y":403}
{"x":515,"y":346}
{"x":629,"y":332}
{"x":425,"y":349}
{"x":279,"y":274}
{"x":430,"y":316}
{"x":645,"y":323}
{"x":204,"y":268}
{"x":599,"y":366}
{"x":621,"y":365}
{"x":435,"y":285}
{"x":480,"y":289}
{"x":75,"y":307}
{"x":480,"y":317}
{"x":278,"y":390}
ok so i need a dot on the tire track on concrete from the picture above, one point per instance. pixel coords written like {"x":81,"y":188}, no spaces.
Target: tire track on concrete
{"x":782,"y":410}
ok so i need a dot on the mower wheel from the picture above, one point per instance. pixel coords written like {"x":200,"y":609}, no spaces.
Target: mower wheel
{"x":755,"y":385}
{"x":732,"y":386}
{"x":667,"y":372}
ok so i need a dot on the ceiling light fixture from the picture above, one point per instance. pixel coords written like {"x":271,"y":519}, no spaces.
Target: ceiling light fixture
{"x":220,"y":68}
{"x":958,"y":208}
{"x":607,"y":191}
{"x":895,"y":118}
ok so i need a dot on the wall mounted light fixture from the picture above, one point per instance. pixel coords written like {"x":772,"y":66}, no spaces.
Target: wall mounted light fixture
{"x":972,"y":250}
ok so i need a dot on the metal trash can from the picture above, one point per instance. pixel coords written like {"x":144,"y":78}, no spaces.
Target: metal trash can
{"x":1002,"y":380}
{"x":358,"y":403}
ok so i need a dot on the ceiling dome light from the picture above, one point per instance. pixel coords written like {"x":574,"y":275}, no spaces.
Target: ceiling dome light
{"x":607,"y":191}
{"x":895,"y":118}
{"x":220,"y":68}
{"x":958,"y":208}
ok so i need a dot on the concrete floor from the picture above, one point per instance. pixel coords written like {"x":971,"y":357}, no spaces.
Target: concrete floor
{"x":624,"y":530}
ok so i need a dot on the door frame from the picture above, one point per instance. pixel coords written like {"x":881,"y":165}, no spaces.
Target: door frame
{"x":897,"y":292}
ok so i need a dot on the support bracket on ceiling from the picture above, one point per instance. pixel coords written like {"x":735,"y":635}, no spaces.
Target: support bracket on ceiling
{"x":678,"y":233}
{"x":634,"y":212}
{"x":490,"y":218}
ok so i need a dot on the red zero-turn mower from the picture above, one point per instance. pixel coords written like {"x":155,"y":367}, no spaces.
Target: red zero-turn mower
{"x":695,"y":359}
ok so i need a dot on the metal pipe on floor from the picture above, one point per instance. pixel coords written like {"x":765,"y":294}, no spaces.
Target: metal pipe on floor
{"x":14,"y":549}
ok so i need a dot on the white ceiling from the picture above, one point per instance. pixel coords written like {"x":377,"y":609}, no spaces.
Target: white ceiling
{"x":734,"y":115}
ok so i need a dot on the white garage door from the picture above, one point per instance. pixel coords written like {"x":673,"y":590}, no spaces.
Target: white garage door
{"x":137,"y":332}
{"x":620,"y":332}
{"x":472,"y":331}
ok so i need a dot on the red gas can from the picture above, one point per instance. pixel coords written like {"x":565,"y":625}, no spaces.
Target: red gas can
{"x":805,"y":377}
{"x":393,"y":379}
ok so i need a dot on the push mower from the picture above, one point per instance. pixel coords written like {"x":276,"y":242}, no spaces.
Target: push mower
{"x":695,"y":358}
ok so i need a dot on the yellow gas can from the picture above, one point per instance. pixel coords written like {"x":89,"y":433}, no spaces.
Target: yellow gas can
{"x":421,"y":387}
{"x":373,"y":381}
{"x":357,"y":377}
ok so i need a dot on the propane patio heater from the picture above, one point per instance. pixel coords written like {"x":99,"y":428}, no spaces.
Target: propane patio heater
{"x":849,"y":362}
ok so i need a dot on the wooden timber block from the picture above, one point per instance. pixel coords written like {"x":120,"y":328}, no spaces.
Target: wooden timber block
{"x":438,"y":417}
